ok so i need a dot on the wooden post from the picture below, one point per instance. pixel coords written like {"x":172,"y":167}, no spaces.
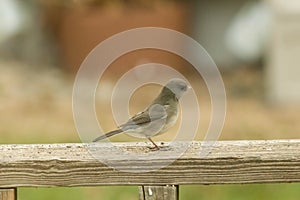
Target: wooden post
{"x":282,"y":59}
{"x":167,"y":192}
{"x":8,"y":194}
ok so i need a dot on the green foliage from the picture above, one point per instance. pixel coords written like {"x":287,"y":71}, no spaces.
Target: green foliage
{"x":212,"y":192}
{"x":241,"y":192}
{"x":79,"y":193}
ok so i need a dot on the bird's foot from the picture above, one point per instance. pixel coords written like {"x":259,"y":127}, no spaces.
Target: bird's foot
{"x":155,"y":145}
{"x":155,"y":148}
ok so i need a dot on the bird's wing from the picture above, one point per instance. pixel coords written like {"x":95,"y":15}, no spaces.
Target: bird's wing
{"x":144,"y":118}
{"x":141,"y":118}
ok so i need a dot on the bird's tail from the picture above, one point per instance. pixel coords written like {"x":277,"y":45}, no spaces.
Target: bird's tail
{"x":109,"y":134}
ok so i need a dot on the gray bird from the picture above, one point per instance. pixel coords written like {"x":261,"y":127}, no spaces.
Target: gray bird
{"x":158,"y":117}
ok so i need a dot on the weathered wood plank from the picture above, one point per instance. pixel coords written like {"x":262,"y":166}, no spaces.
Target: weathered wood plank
{"x":166,"y":192}
{"x":73,"y":165}
{"x":8,"y":194}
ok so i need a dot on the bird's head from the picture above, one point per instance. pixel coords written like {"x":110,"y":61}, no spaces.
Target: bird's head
{"x":177,"y":86}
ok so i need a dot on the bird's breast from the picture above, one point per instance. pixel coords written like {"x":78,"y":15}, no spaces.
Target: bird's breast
{"x":171,"y":120}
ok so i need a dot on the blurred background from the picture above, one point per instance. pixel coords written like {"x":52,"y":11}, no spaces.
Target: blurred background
{"x":255,"y":44}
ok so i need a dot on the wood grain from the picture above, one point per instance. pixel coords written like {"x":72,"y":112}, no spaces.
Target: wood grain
{"x":166,"y":192}
{"x":50,"y":165}
{"x":8,"y":194}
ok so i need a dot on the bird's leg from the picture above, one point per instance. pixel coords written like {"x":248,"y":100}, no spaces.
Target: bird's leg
{"x":155,"y":146}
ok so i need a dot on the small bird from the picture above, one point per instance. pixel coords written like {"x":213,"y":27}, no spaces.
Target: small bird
{"x":158,"y":117}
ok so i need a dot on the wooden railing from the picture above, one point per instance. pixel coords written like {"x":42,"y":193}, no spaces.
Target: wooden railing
{"x":45,"y":165}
